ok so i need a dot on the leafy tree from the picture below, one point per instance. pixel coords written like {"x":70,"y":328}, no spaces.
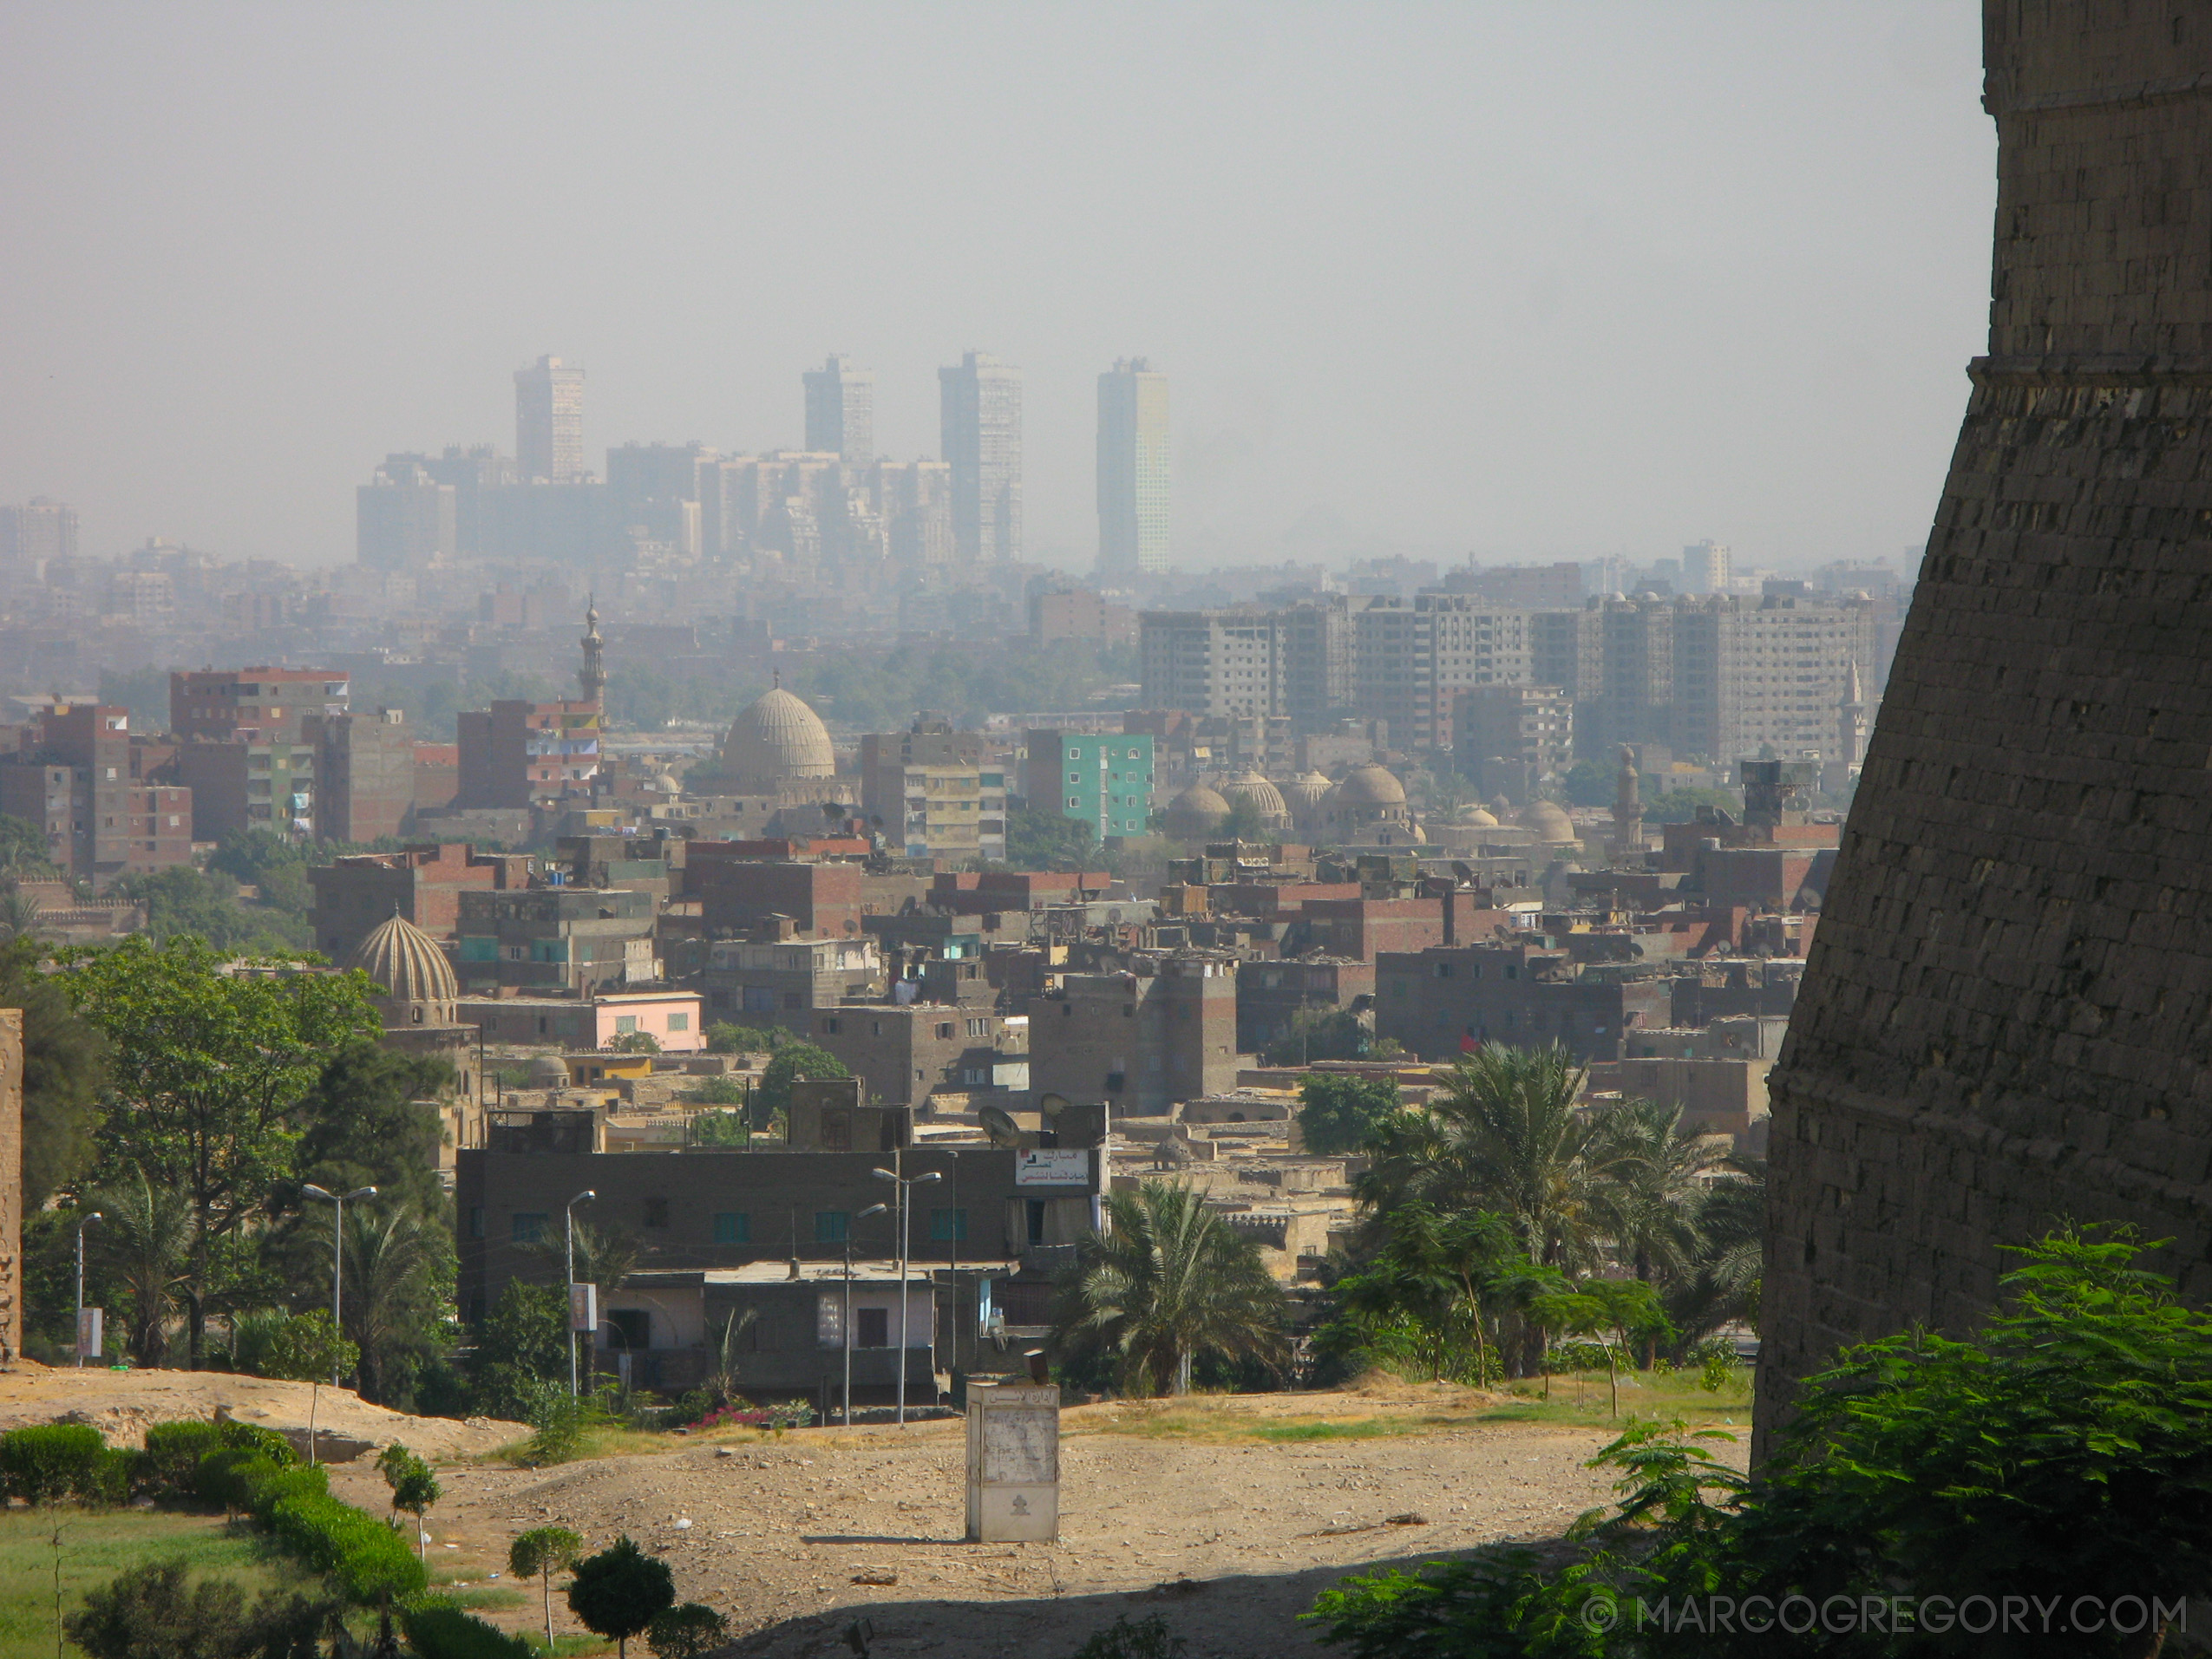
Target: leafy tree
{"x":792,"y":1063}
{"x":1168,"y":1281}
{"x":1625,"y":1312}
{"x":724,"y":1038}
{"x":368,"y":1121}
{"x":1592,"y":783}
{"x":1680,"y":806}
{"x":141,"y":1250}
{"x":1244,"y":823}
{"x":148,"y":1613}
{"x":634,"y":1042}
{"x":64,"y":1068}
{"x":540,"y":1554}
{"x":399,"y":1276}
{"x":1341,"y":1114}
{"x":184,"y":902}
{"x":207,"y":1075}
{"x":620,"y":1591}
{"x":687,"y":1631}
{"x":25,"y":852}
{"x":1722,"y":1285}
{"x":522,"y":1347}
{"x":298,"y":1348}
{"x":1434,"y":1292}
{"x":722,"y":1129}
{"x":414,"y":1487}
{"x":1327,"y":1034}
{"x":1039,"y":839}
{"x":717,"y":1091}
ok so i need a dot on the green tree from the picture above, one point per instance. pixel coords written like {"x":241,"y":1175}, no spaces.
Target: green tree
{"x":399,"y":1276}
{"x":1168,"y":1282}
{"x":634,"y":1042}
{"x":1039,"y":839}
{"x":297,"y":1348}
{"x":65,"y":1060}
{"x":521,"y":1348}
{"x":540,"y":1554}
{"x":1340,"y":1114}
{"x":368,"y":1121}
{"x":791,"y":1062}
{"x":414,"y":1487}
{"x":687,"y":1631}
{"x":141,"y":1250}
{"x":621,"y":1590}
{"x":24,"y":854}
{"x":1437,"y":1293}
{"x":724,"y":1038}
{"x":1621,"y":1312}
{"x":209,"y":1069}
{"x":1328,"y":1034}
{"x":1680,"y":806}
{"x":1722,"y":1285}
{"x":184,"y":902}
{"x":1592,"y":783}
{"x":715,"y":1129}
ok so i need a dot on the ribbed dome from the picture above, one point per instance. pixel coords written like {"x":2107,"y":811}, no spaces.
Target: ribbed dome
{"x":1266,"y":799}
{"x":667,"y":784}
{"x":1369,"y":785}
{"x":1549,"y":822}
{"x":407,"y":964}
{"x":1305,"y":792}
{"x":776,"y":739}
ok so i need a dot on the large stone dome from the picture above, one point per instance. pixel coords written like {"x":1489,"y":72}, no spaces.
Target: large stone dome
{"x":419,"y":986}
{"x":1305,"y":792}
{"x":1478,"y":817}
{"x":1369,"y":785}
{"x":777,"y":738}
{"x":1266,"y":799}
{"x":1198,"y":811}
{"x":1549,"y":822}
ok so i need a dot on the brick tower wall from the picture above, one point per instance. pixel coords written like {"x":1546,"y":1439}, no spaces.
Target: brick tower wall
{"x":12,"y":1183}
{"x":2003,"y":1020}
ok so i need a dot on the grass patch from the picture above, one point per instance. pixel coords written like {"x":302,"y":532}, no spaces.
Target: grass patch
{"x":1580,"y":1400}
{"x":97,"y":1545}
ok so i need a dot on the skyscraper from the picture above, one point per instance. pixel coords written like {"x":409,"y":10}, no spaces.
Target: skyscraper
{"x":1706,"y":567}
{"x":1132,"y":470}
{"x":549,"y":422}
{"x":32,"y":534}
{"x":981,"y":425}
{"x":840,"y":411}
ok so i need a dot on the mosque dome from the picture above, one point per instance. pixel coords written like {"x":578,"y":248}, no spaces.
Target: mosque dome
{"x":548,"y":1071}
{"x":776,"y":739}
{"x":1303,"y":794}
{"x":419,"y":986}
{"x":1550,"y":824}
{"x":1478,"y":817}
{"x":1198,"y":811}
{"x":1369,"y":785}
{"x":1266,"y":799}
{"x":668,"y":784}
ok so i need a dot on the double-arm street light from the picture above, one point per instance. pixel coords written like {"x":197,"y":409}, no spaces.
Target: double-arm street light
{"x":906,"y":1224}
{"x":569,"y":1225}
{"x":86,"y":1222}
{"x":339,"y":1201}
{"x":872,"y":1209}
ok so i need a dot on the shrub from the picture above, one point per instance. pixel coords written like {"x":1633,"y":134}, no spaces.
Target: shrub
{"x":367,"y":1558}
{"x":48,"y":1461}
{"x":270,"y":1485}
{"x":437,"y":1628}
{"x":297,"y":1347}
{"x":688,"y":1630}
{"x":620,"y":1591}
{"x":252,"y":1437}
{"x":147,"y":1613}
{"x":1146,"y":1639}
{"x":173,"y":1451}
{"x":227,"y":1478}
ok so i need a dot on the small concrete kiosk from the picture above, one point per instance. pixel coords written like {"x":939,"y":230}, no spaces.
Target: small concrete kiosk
{"x":1013,"y":1463}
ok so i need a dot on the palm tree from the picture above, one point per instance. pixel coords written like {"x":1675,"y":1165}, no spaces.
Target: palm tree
{"x":19,"y":913}
{"x":143,"y":1247}
{"x":1724,"y":1284}
{"x":1167,"y":1282}
{"x":397,"y":1269}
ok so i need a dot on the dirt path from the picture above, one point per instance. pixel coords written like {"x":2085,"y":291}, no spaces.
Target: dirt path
{"x":1227,"y":1536}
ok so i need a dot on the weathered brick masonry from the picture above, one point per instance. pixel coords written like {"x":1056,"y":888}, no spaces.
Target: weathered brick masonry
{"x":2007,"y":1017}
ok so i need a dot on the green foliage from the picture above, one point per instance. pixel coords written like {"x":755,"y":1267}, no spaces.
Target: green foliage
{"x":687,"y":1631}
{"x":793,"y":1061}
{"x":882,"y":692}
{"x":1145,"y":1639}
{"x":46,"y":1462}
{"x":560,"y":1421}
{"x":138,"y":1256}
{"x":367,"y":1121}
{"x":621,"y":1590}
{"x":365,"y":1557}
{"x":716,"y":1129}
{"x":1500,"y":1603}
{"x":148,"y":1613}
{"x":1441,"y":1294}
{"x":173,"y":1451}
{"x":1616,"y":1312}
{"x":717,"y":1091}
{"x":1680,"y":806}
{"x":229,"y":1476}
{"x":182,"y":902}
{"x":1327,"y":1034}
{"x":1039,"y":837}
{"x":1593,"y":783}
{"x":521,"y":1349}
{"x":1340,"y":1114}
{"x":540,"y":1554}
{"x":25,"y":852}
{"x":414,"y":1484}
{"x":297,"y":1347}
{"x":64,"y":1069}
{"x":724,"y":1038}
{"x":1168,"y":1282}
{"x":439,"y":1628}
{"x":207,"y":1073}
{"x":634,"y":1042}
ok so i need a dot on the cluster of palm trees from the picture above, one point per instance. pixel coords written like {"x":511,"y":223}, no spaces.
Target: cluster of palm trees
{"x":1504,"y":1216}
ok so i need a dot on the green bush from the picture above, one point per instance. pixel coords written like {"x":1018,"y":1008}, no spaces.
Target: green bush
{"x":227,"y":1477}
{"x":1148,"y":1639}
{"x":48,"y":1461}
{"x":172,"y":1453}
{"x":367,"y":1559}
{"x":251,"y":1437}
{"x":271,"y":1483}
{"x":437,"y":1628}
{"x":687,"y":1631}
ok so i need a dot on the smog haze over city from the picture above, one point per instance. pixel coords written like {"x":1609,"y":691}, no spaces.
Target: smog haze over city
{"x":1533,"y":282}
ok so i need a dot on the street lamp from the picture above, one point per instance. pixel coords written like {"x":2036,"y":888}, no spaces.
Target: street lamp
{"x":568,"y":1216}
{"x":82,"y":1225}
{"x":872,"y":1209}
{"x":337,"y":1258}
{"x":905,"y":1220}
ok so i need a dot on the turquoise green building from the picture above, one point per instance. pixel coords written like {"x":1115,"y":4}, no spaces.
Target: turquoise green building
{"x":1104,"y":779}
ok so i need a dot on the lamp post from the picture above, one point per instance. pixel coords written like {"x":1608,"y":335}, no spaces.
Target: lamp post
{"x":82,"y":1225}
{"x":906,"y":1227}
{"x":568,"y":1222}
{"x":339,"y":1201}
{"x":872,"y":1209}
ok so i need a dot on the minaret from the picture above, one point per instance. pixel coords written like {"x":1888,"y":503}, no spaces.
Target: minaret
{"x":1836,"y":777}
{"x":592,"y":675}
{"x":1627,"y":811}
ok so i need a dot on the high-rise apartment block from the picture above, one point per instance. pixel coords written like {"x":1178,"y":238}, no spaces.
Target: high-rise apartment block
{"x":1104,"y":781}
{"x":1752,"y":675}
{"x":933,"y":792}
{"x":1706,"y":568}
{"x":404,"y":518}
{"x":549,"y":422}
{"x":1411,"y":657}
{"x":1132,"y":471}
{"x":41,"y":529}
{"x":1529,"y":726}
{"x":840,"y":411}
{"x":1295,"y":661}
{"x":981,"y":439}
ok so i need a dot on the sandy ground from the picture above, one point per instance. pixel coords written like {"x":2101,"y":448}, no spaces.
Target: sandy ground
{"x":1228,"y":1538}
{"x":121,"y":1403}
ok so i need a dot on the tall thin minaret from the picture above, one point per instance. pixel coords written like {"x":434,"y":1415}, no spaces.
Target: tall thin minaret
{"x":592,"y":675}
{"x":1628,"y":811}
{"x":1851,"y":744}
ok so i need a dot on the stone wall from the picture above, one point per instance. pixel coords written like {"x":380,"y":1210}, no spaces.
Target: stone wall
{"x":11,"y":1182}
{"x":2004,"y":1017}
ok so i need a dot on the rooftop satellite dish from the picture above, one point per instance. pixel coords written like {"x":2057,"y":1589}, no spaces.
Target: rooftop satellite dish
{"x":1051,"y":1105}
{"x":1001,"y":1128}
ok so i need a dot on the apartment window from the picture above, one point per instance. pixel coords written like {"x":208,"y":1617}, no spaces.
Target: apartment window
{"x":679,"y":1022}
{"x":831,"y":1226}
{"x":944,"y":1027}
{"x":624,"y":1024}
{"x":1113,"y":1081}
{"x":475,"y":1221}
{"x":530,"y":1226}
{"x":831,"y":1026}
{"x":948,"y":1226}
{"x":871,"y":1327}
{"x":733,"y":1227}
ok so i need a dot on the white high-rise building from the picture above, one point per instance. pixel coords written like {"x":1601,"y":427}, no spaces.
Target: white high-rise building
{"x":981,"y":427}
{"x":549,"y":422}
{"x":840,"y":411}
{"x":1132,"y":471}
{"x":1706,"y":568}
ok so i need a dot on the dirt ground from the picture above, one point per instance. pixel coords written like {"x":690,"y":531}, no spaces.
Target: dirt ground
{"x":1226,"y":1536}
{"x":121,"y":1403}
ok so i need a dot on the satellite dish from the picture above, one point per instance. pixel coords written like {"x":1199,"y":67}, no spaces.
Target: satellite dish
{"x":1002,"y":1129}
{"x":1051,"y":1105}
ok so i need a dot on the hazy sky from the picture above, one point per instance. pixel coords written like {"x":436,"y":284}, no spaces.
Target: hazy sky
{"x":1539,"y":279}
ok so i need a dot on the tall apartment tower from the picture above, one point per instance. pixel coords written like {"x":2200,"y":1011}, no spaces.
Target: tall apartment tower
{"x":840,"y":411}
{"x":39,"y":531}
{"x":549,"y":422}
{"x":981,"y":429}
{"x":1706,"y":568}
{"x":1132,"y":470}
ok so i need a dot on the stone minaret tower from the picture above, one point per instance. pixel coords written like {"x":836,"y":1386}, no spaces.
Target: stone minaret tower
{"x":592,"y":675}
{"x":2003,"y":1018}
{"x":1850,"y":715}
{"x":1627,"y":811}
